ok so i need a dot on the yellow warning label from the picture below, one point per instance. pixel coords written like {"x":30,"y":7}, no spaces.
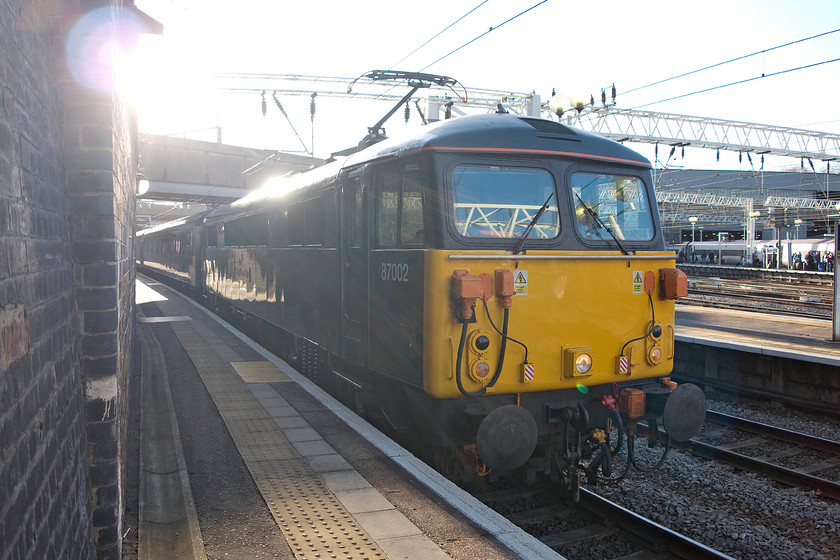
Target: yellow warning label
{"x":520,"y":282}
{"x":638,"y":282}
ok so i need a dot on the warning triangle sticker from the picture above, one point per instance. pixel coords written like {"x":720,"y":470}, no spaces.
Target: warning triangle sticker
{"x":520,"y":279}
{"x":637,"y":277}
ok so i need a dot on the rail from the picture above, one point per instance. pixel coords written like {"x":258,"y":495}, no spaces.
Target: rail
{"x":764,"y":465}
{"x":595,"y":520}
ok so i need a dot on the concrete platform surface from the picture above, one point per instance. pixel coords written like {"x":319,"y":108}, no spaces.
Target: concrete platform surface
{"x":772,"y":335}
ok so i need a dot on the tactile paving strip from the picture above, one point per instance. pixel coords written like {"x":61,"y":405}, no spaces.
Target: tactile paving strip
{"x":143,"y":319}
{"x":260,"y":372}
{"x":313,"y":521}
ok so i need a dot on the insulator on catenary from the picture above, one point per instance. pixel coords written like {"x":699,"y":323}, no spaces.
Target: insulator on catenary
{"x":264,"y":106}
{"x":312,"y":106}
{"x":407,"y":112}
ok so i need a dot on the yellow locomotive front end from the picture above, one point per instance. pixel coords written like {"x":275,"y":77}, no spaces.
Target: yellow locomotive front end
{"x":578,"y":320}
{"x":549,"y":322}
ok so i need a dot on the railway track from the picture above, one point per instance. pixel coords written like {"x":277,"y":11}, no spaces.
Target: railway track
{"x":803,"y":300}
{"x":791,"y":458}
{"x":593,"y":528}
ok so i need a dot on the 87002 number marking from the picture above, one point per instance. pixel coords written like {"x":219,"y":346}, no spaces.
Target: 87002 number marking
{"x":395,"y":272}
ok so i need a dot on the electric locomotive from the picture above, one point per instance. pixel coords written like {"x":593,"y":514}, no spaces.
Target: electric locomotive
{"x":494,"y":291}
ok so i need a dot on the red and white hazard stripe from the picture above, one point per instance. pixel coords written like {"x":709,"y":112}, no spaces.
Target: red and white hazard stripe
{"x":623,"y":364}
{"x":529,"y":372}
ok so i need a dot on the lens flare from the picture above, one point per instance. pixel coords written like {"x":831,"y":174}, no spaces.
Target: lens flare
{"x":98,"y":42}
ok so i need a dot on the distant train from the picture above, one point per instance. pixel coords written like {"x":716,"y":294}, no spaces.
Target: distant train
{"x":494,"y":290}
{"x":733,"y":253}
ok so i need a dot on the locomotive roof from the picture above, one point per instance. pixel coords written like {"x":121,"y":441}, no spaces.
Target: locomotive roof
{"x":505,"y":133}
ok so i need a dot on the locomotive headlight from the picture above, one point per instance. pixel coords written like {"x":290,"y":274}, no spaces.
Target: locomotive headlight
{"x":583,"y":363}
{"x":577,"y":361}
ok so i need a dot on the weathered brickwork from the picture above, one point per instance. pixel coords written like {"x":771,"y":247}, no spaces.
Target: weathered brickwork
{"x":67,"y":165}
{"x":45,"y":510}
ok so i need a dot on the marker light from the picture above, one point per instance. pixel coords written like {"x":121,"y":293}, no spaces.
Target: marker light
{"x":583,"y":363}
{"x":481,"y":369}
{"x":655,"y":355}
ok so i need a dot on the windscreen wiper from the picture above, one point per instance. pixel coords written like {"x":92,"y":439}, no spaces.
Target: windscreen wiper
{"x":601,"y":224}
{"x":531,"y":225}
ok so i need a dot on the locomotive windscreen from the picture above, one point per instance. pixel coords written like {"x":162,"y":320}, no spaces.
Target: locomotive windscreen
{"x":499,"y":201}
{"x":615,"y":201}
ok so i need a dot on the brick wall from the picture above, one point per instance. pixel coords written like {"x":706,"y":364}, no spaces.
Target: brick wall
{"x":67,"y":164}
{"x":45,"y":509}
{"x":99,"y":142}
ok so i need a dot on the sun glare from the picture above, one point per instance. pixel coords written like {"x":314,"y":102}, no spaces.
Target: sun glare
{"x":162,"y":81}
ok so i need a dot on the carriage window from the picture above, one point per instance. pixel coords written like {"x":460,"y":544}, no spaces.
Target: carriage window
{"x":250,"y":230}
{"x":277,"y":228}
{"x":314,"y":221}
{"x":617,"y":202}
{"x":212,"y":236}
{"x":499,"y":201}
{"x":297,"y":235}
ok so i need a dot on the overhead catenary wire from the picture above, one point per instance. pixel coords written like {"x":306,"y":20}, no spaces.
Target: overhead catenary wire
{"x":438,"y":34}
{"x":289,"y":120}
{"x":483,"y":34}
{"x":729,"y":61}
{"x":747,"y":80}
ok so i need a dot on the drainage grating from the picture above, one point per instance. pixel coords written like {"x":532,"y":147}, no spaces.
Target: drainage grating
{"x":313,"y":521}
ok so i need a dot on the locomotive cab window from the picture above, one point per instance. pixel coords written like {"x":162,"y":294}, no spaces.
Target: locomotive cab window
{"x":500,"y":201}
{"x":617,"y":202}
{"x":399,"y":207}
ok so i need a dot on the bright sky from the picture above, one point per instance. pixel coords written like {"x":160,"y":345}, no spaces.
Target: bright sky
{"x":576,"y":48}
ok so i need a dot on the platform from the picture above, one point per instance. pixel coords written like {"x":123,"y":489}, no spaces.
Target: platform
{"x":781,"y":358}
{"x":773,"y":335}
{"x":267,"y":465}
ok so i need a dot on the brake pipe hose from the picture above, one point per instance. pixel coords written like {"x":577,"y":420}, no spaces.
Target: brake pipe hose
{"x":647,"y":334}
{"x":503,"y":333}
